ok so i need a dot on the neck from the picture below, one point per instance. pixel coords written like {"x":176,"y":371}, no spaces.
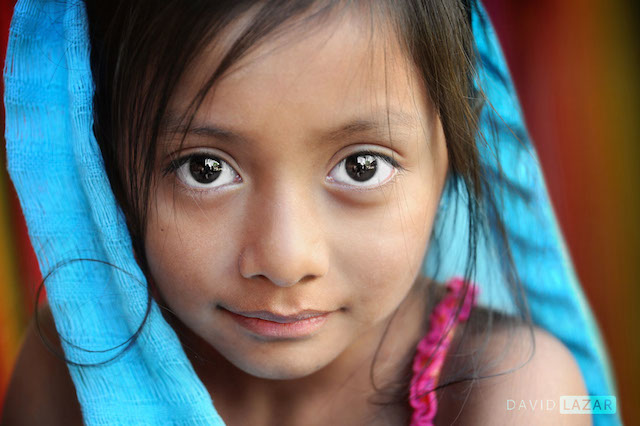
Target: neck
{"x":343,"y":390}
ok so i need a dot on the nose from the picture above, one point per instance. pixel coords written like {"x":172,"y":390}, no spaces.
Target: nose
{"x":284,"y":240}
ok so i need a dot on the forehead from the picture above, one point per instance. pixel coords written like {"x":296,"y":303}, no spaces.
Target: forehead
{"x":348,"y":65}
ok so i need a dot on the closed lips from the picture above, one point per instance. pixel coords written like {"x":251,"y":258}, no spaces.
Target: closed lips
{"x":283,"y":319}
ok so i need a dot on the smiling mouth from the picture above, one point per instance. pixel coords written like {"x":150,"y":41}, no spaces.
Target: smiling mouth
{"x":283,"y":319}
{"x":272,"y":325}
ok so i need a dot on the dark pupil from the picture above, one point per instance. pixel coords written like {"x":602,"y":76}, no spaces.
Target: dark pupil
{"x":205,"y":169}
{"x":361,"y":167}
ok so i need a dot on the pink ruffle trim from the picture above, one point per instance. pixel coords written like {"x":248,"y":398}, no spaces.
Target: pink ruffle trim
{"x":442,"y":322}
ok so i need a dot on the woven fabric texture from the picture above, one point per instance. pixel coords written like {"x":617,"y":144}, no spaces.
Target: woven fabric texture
{"x":57,"y":169}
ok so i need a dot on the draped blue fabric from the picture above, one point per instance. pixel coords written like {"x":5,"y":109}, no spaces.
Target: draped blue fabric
{"x":57,"y":169}
{"x":71,"y":213}
{"x":556,"y":300}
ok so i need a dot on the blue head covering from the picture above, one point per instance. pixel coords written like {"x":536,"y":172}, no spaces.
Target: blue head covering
{"x":553,"y":293}
{"x":58,"y":171}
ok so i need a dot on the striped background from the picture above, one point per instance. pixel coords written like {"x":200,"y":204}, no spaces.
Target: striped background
{"x":575,"y":64}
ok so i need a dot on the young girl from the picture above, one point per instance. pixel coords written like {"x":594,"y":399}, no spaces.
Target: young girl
{"x":281,"y":168}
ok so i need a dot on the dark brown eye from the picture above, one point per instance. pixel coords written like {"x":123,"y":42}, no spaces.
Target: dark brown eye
{"x":364,"y":170}
{"x":361,"y":167}
{"x":204,"y":169}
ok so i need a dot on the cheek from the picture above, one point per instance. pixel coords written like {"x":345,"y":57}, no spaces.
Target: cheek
{"x":384,"y":255}
{"x":184,"y":248}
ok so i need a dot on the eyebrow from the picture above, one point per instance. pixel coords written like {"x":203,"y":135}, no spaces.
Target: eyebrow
{"x":382,"y":128}
{"x":392,"y":119}
{"x":173,"y":125}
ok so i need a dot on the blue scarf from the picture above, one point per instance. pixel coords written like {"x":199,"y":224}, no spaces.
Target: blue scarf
{"x":58,"y":172}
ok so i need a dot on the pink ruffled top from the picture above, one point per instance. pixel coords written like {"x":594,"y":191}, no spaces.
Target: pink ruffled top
{"x":432,"y":349}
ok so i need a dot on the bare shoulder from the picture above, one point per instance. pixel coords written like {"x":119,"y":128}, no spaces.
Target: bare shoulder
{"x":529,"y":370}
{"x":41,"y":391}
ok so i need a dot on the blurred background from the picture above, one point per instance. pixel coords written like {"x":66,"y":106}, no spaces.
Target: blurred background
{"x":575,"y":65}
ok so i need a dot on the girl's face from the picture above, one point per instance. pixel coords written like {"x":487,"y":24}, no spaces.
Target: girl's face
{"x":306,"y":187}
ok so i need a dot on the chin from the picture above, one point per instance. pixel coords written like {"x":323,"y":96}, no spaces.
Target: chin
{"x":280,"y":372}
{"x":285,"y":367}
